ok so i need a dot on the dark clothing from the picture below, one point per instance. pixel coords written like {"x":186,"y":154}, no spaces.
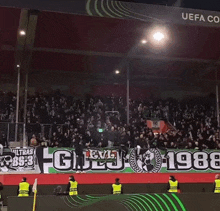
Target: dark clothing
{"x":79,"y":149}
{"x":79,"y":156}
{"x":66,"y":142}
{"x":213,"y":187}
{"x":68,"y":187}
{"x":79,"y":162}
{"x":4,"y":142}
{"x":124,"y":139}
{"x":113,"y":136}
{"x":1,"y":188}
{"x":123,"y":151}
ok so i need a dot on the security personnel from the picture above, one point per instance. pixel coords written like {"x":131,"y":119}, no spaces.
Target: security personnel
{"x":24,"y":188}
{"x":217,"y":184}
{"x":72,"y":186}
{"x":117,"y":187}
{"x":173,"y":185}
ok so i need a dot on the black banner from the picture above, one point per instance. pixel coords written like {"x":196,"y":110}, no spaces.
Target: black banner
{"x":18,"y":160}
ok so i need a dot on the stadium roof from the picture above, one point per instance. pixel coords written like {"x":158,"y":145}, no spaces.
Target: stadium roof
{"x":93,"y":47}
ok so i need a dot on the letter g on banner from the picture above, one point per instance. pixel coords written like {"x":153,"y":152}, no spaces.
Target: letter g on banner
{"x":62,"y":160}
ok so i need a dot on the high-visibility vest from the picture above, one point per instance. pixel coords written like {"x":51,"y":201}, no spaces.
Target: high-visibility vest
{"x":116,"y":188}
{"x":23,"y":189}
{"x":173,"y":186}
{"x":73,"y":188}
{"x":217,"y":186}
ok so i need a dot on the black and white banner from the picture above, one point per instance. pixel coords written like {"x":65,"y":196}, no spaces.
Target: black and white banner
{"x":63,"y":160}
{"x":18,"y":160}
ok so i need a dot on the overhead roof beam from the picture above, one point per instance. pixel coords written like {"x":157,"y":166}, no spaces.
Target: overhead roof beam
{"x":102,"y":76}
{"x":25,"y":43}
{"x":23,"y":24}
{"x":120,"y":55}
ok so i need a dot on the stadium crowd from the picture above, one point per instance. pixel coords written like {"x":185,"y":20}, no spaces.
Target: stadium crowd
{"x":101,"y":122}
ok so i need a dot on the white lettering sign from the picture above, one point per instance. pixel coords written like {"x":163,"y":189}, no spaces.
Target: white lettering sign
{"x":200,"y":17}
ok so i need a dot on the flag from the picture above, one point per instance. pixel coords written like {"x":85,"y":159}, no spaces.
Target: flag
{"x":34,"y":188}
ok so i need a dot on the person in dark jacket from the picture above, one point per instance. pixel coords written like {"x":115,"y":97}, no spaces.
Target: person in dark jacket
{"x":3,"y":140}
{"x":79,"y":156}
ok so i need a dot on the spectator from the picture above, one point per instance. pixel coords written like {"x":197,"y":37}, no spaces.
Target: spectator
{"x":3,"y":143}
{"x":72,"y":120}
{"x":79,"y":156}
{"x":33,"y":141}
{"x":1,"y":198}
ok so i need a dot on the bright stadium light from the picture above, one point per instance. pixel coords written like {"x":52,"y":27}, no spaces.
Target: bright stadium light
{"x":158,"y":36}
{"x":143,"y":41}
{"x":18,"y":65}
{"x":117,"y":71}
{"x":22,"y":32}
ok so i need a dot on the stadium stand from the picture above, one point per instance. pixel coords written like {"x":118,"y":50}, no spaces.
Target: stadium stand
{"x":57,"y":120}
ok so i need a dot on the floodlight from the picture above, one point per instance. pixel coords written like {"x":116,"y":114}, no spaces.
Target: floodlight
{"x":22,"y":32}
{"x":117,"y":71}
{"x":143,"y":41}
{"x":158,"y":36}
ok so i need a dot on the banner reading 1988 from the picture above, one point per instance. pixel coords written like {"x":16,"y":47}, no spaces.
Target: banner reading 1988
{"x":54,"y":160}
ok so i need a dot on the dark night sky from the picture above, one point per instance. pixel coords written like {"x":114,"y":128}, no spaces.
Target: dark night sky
{"x":213,"y":5}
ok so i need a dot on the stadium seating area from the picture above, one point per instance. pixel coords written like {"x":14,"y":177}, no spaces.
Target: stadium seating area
{"x":101,"y":122}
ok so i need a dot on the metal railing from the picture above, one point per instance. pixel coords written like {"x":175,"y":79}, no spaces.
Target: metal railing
{"x":40,"y":130}
{"x":8,"y":129}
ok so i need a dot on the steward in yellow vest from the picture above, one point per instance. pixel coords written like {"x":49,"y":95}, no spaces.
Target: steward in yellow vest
{"x":72,"y":186}
{"x":217,"y":184}
{"x":117,"y":187}
{"x":173,"y":185}
{"x":24,"y":188}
